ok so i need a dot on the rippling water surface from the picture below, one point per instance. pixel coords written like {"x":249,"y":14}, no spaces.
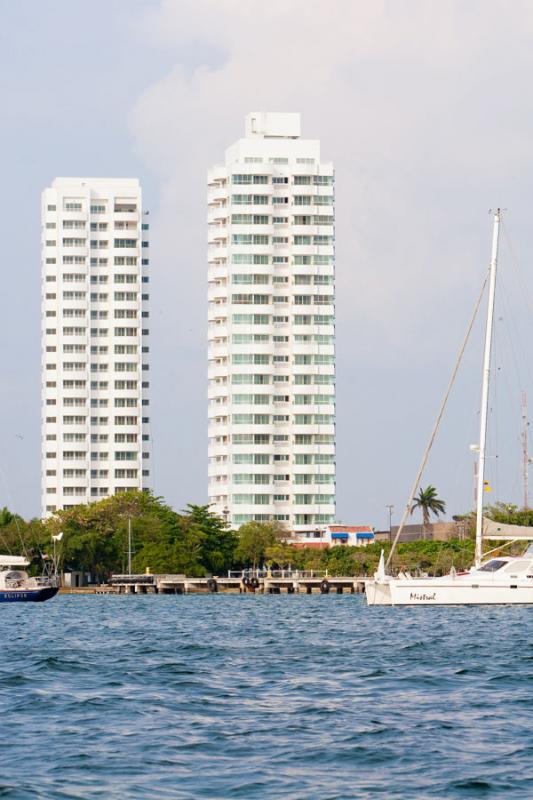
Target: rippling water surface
{"x":289,"y":697}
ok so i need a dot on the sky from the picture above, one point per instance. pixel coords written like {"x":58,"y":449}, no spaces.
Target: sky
{"x":426,"y":110}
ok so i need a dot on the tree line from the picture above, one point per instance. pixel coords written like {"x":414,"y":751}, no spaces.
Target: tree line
{"x":198,"y":542}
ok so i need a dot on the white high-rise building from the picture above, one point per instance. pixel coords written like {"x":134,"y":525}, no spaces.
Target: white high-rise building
{"x":272,"y":328}
{"x":95,"y":379}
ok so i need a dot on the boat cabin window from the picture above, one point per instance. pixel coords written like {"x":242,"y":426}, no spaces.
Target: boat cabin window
{"x":517,"y":566}
{"x":493,"y":565}
{"x":15,"y":576}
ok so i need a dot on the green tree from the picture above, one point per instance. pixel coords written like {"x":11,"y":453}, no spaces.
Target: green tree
{"x":218,"y":542}
{"x":5,"y":516}
{"x":428,"y":501}
{"x":255,"y":539}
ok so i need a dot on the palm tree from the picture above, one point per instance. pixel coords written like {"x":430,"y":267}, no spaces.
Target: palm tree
{"x":428,"y":501}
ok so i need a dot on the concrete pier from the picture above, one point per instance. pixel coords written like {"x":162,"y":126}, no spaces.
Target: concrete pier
{"x":234,"y":583}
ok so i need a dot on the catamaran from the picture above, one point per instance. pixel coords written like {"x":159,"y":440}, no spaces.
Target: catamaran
{"x":498,"y":580}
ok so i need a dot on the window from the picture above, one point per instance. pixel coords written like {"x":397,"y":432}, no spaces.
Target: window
{"x":303,"y":499}
{"x":250,"y":279}
{"x":325,"y":499}
{"x":249,"y":258}
{"x":130,"y":438}
{"x":126,"y":473}
{"x":302,"y":240}
{"x":243,"y":499}
{"x":249,"y":199}
{"x":247,"y":179}
{"x":324,"y":399}
{"x":125,"y":366}
{"x":250,"y":338}
{"x":250,"y":299}
{"x":324,"y":458}
{"x":303,"y":199}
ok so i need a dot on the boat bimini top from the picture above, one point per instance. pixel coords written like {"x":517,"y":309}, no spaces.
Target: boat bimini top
{"x":13,"y":561}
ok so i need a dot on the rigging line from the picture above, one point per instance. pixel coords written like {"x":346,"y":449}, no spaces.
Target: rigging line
{"x":506,"y":326}
{"x":519,"y":269}
{"x":425,"y":457}
{"x":522,"y":282}
{"x":512,"y":333}
{"x":500,"y":383}
{"x":10,"y":500}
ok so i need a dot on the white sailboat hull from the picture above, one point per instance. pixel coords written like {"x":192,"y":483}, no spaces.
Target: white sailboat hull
{"x":447,"y":592}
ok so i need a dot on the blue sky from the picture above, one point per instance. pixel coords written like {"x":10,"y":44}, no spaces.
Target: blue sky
{"x":426,"y":110}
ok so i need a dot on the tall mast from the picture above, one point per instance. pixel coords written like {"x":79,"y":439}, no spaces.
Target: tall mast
{"x":485,"y":388}
{"x":525,"y":454}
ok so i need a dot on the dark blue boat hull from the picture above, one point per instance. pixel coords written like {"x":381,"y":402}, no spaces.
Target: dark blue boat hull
{"x":28,"y":595}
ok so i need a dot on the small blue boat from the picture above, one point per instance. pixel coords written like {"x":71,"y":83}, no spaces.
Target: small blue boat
{"x":16,"y":586}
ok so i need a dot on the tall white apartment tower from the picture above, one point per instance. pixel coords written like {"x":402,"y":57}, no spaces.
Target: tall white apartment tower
{"x":272,"y":328}
{"x":95,"y":379}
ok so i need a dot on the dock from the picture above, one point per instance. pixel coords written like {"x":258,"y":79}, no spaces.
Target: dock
{"x":281,"y":582}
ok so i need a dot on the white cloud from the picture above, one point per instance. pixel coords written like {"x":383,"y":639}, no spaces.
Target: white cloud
{"x":425,"y":109}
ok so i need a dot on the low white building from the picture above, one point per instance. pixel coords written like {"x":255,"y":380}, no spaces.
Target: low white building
{"x":333,"y":536}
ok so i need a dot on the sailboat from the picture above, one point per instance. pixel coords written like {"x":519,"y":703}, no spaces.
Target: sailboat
{"x":16,"y":586}
{"x":499,"y":580}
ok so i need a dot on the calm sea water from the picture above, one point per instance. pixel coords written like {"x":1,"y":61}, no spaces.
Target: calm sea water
{"x":264,"y":697}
